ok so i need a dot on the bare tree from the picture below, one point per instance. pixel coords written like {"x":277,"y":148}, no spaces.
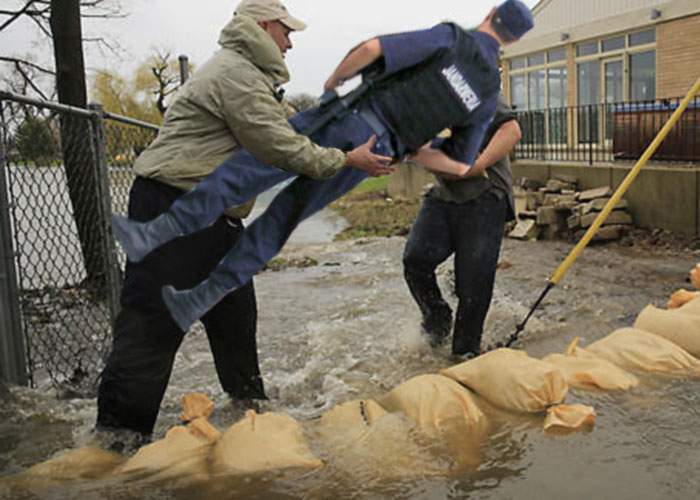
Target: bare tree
{"x":39,"y":13}
{"x":159,"y":76}
{"x":60,"y":20}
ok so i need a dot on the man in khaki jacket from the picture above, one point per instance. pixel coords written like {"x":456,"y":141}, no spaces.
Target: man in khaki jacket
{"x":232,"y":102}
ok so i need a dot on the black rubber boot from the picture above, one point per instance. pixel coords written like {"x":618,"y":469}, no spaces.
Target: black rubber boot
{"x":138,"y":239}
{"x":187,"y":306}
{"x":437,"y":326}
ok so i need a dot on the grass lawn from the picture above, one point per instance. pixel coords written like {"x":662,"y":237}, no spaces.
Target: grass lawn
{"x":371,"y":212}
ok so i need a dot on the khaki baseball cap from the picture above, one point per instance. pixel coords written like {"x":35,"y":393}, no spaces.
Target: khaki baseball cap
{"x":269,"y":10}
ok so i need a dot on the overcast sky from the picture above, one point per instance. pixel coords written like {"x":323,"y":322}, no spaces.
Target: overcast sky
{"x":192,"y":28}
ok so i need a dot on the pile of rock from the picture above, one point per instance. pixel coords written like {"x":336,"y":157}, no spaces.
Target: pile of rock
{"x":559,"y":210}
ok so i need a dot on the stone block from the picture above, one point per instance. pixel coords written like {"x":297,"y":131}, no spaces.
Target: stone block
{"x":559,"y":200}
{"x":569,"y":179}
{"x":555,"y":186}
{"x":525,"y":230}
{"x":616,"y":217}
{"x":534,"y":199}
{"x":546,"y":216}
{"x":530,"y":184}
{"x":592,"y":194}
{"x":573,"y":222}
{"x":527,"y":214}
{"x":598,"y":205}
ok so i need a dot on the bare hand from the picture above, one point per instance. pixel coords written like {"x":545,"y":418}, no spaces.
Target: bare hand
{"x":362,"y":158}
{"x":332,"y":83}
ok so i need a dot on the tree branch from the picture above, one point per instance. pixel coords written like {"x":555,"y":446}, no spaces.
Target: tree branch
{"x":15,"y":15}
{"x":15,"y":60}
{"x":29,"y":80}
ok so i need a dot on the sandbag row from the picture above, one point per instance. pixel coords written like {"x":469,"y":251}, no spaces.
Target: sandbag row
{"x":387,"y":434}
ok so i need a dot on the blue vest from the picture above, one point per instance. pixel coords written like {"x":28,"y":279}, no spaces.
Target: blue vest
{"x":419,"y":102}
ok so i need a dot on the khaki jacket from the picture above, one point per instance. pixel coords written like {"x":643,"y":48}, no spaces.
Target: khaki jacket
{"x":230,"y":103}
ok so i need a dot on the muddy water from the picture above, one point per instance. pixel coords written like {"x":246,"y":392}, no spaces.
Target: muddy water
{"x":348,"y":329}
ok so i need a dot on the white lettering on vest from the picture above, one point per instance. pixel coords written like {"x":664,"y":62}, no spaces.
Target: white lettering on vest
{"x":461,"y":87}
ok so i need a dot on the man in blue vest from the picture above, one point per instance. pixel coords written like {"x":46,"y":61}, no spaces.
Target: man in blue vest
{"x":423,"y":82}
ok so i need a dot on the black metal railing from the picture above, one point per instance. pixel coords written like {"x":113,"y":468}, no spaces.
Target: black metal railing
{"x":609,"y":132}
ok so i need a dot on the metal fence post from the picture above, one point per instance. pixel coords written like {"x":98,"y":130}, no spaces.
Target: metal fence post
{"x":113,"y":275}
{"x":13,"y":361}
{"x":184,"y":68}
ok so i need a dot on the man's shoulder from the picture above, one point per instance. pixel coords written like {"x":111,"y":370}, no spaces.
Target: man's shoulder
{"x":226,"y":62}
{"x":228,"y":71}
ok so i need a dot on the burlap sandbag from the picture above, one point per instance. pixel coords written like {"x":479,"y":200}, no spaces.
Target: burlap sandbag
{"x":364,"y":439}
{"x":263,"y":443}
{"x":512,"y":380}
{"x":181,"y":456}
{"x":680,"y":298}
{"x":638,"y":350}
{"x":569,"y":417}
{"x":681,"y":326}
{"x":589,"y":372}
{"x":692,"y":307}
{"x":435,"y":403}
{"x":83,"y":463}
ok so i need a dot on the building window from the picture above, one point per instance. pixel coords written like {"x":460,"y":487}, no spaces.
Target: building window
{"x":588,"y":83}
{"x":555,"y":55}
{"x":588,"y":80}
{"x":535,"y":59}
{"x":518,"y":63}
{"x":642,"y":37}
{"x":616,"y":43}
{"x":556,"y":104}
{"x":536,"y":88}
{"x":643,"y":76}
{"x":587,"y":49}
{"x":557,"y":79}
{"x":518,"y":92}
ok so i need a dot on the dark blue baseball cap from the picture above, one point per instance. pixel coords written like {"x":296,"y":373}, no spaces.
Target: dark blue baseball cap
{"x":515,"y":17}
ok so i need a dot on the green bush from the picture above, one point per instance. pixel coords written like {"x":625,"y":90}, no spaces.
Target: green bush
{"x":35,"y":141}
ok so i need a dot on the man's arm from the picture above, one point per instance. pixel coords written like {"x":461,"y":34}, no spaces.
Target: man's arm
{"x":500,"y":145}
{"x":357,"y":59}
{"x":260,"y":125}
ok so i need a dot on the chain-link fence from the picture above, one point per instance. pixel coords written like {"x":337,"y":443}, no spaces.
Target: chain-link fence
{"x":64,"y":170}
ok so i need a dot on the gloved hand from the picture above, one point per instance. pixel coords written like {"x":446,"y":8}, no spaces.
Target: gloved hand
{"x":327,"y":98}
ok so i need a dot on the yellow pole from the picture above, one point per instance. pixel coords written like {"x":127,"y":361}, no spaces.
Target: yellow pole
{"x":569,"y":261}
{"x":586,"y":239}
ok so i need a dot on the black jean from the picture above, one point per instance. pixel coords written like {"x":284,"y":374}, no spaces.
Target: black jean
{"x":146,"y":338}
{"x":473,"y":231}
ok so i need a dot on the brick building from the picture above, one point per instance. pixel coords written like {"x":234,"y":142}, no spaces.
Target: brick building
{"x":595,"y":79}
{"x":598,"y":51}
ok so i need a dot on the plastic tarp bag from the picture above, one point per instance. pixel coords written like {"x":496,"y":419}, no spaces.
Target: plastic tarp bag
{"x":435,"y":403}
{"x":512,"y":380}
{"x":363,"y":438}
{"x":181,"y":456}
{"x":262,"y":443}
{"x":637,"y":350}
{"x":589,"y":372}
{"x":681,"y":326}
{"x":569,"y":417}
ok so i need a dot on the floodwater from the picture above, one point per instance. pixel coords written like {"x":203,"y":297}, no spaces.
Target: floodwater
{"x":348,"y":329}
